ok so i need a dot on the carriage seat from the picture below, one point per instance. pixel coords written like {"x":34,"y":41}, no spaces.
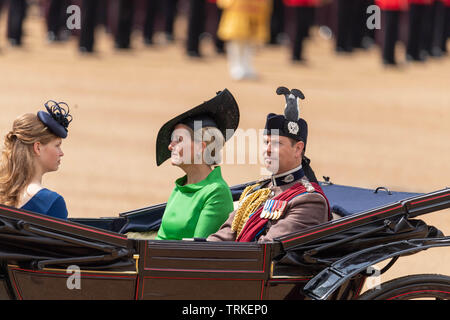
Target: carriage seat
{"x":345,"y":200}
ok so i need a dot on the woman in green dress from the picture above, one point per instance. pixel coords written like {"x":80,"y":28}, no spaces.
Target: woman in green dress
{"x":201,"y":200}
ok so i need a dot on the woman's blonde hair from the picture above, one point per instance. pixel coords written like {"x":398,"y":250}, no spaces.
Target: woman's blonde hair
{"x":17,"y":166}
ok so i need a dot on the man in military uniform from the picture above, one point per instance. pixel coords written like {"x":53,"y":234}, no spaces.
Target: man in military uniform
{"x":291,"y":200}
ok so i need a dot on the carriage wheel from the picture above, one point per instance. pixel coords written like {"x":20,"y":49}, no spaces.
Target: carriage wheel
{"x":420,"y":286}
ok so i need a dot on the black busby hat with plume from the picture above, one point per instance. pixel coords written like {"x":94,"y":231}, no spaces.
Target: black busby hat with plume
{"x":290,"y":124}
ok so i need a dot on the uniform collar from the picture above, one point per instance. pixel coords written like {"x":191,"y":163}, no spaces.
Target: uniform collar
{"x":288,"y":176}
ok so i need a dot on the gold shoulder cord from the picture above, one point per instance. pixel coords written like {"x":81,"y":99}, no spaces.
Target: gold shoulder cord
{"x":248,"y":203}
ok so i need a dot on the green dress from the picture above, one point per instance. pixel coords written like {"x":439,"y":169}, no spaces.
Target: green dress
{"x":196,"y":210}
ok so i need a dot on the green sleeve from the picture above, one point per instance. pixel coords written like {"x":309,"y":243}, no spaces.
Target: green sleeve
{"x":161,"y":235}
{"x":215,"y":212}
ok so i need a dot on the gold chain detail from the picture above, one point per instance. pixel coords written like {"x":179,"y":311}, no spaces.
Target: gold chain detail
{"x":248,"y":203}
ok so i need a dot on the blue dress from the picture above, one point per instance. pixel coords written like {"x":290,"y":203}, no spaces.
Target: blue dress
{"x":47,"y":202}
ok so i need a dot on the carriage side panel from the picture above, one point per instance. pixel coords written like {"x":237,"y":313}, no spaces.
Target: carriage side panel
{"x":200,"y":270}
{"x":57,"y":284}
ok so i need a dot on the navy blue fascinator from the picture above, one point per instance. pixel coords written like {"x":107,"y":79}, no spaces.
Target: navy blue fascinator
{"x":56,"y":118}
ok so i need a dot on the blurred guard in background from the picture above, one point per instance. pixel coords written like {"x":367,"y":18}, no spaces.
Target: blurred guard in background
{"x":417,"y":30}
{"x":56,"y":20}
{"x":220,"y":45}
{"x":1,"y":6}
{"x":89,"y":21}
{"x":391,"y":11}
{"x":124,"y":24}
{"x":345,"y":9}
{"x":438,"y":18}
{"x":446,"y":31}
{"x":363,"y":37}
{"x":170,"y":13}
{"x":276,"y":22}
{"x":352,"y":31}
{"x":304,"y":16}
{"x":244,"y":24}
{"x":16,"y":16}
{"x":152,"y":7}
{"x":197,"y":17}
{"x":196,"y":25}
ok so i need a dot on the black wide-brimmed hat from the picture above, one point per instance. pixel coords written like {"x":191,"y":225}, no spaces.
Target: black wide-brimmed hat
{"x":221,"y":112}
{"x":290,"y":124}
{"x":56,"y":118}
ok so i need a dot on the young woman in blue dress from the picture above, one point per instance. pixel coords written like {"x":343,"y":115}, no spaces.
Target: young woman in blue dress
{"x":31,"y":149}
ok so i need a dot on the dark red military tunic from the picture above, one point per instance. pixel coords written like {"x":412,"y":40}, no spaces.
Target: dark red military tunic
{"x":303,"y":211}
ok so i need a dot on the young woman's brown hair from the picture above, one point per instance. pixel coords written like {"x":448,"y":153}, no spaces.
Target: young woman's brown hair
{"x":31,"y":149}
{"x":17,"y":164}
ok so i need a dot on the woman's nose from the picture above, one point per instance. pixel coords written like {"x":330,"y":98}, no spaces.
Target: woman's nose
{"x":268,"y":149}
{"x":170,"y":146}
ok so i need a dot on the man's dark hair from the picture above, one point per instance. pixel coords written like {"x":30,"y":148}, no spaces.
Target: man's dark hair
{"x":305,"y":163}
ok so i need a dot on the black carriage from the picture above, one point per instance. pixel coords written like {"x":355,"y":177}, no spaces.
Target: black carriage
{"x":40,"y":256}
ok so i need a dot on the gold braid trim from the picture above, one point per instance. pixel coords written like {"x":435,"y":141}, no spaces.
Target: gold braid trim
{"x":248,"y":203}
